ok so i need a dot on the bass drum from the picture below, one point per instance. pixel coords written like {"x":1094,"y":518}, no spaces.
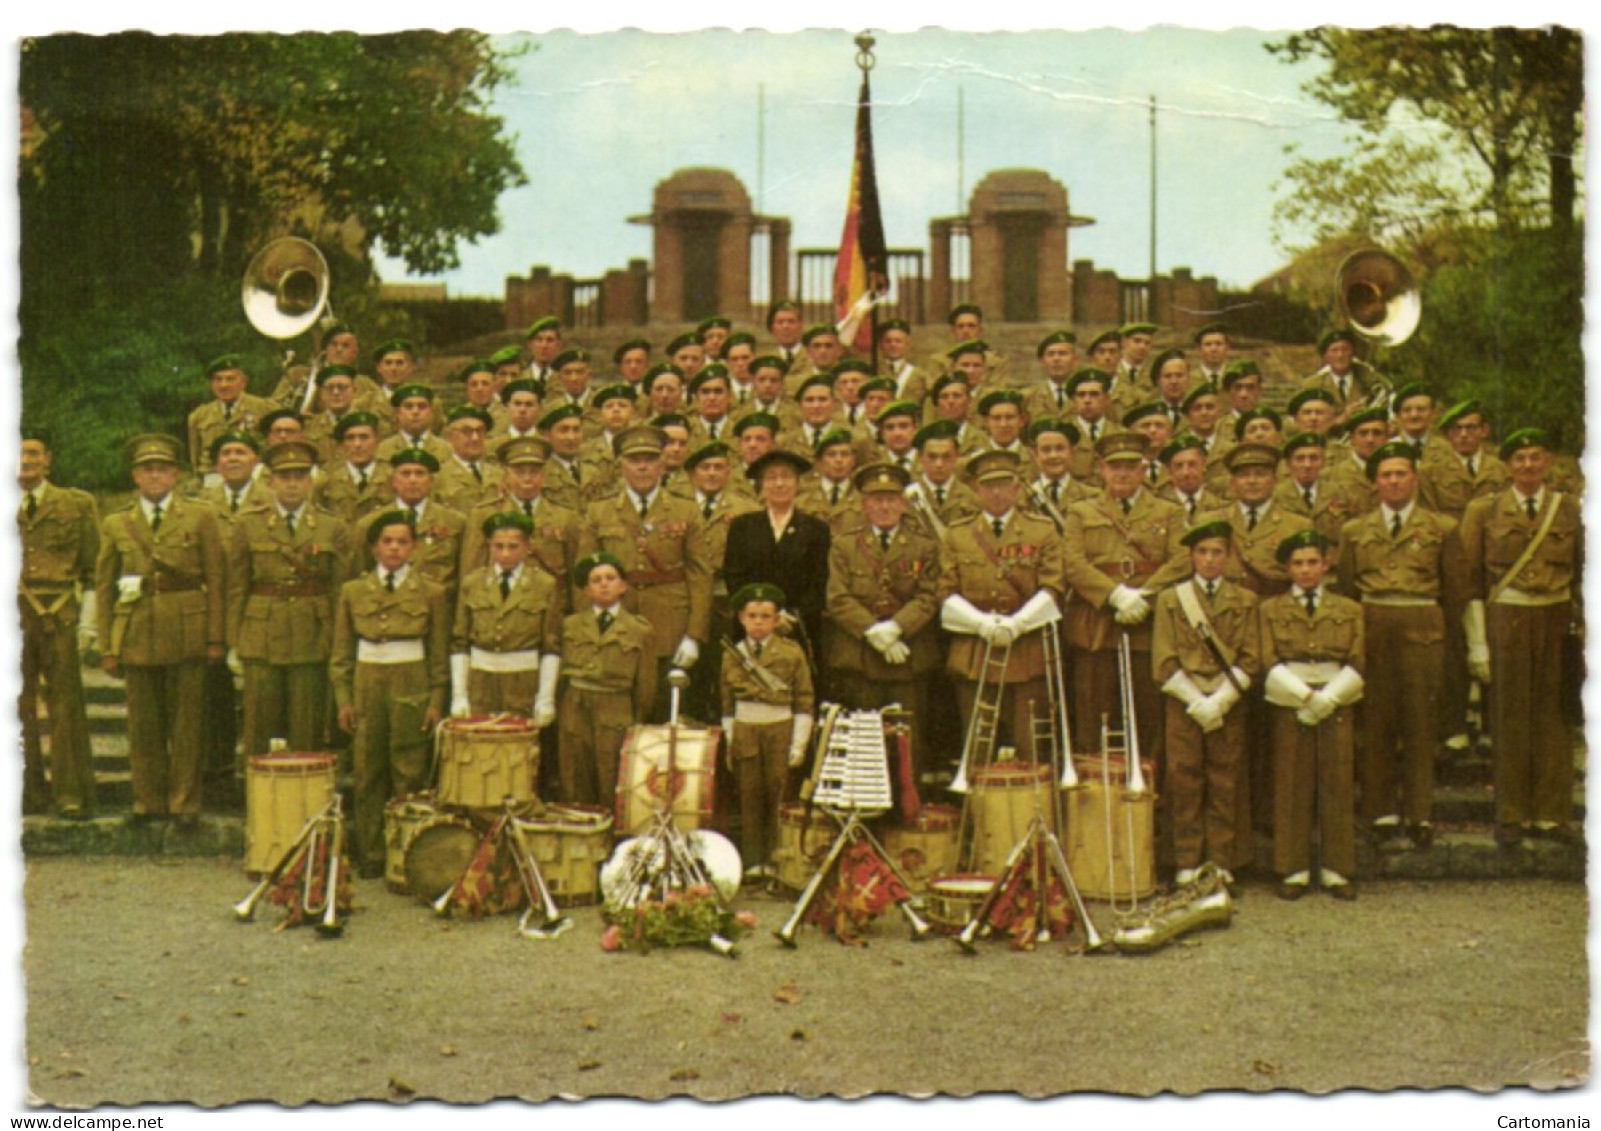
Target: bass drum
{"x":716,"y":854}
{"x":645,"y":785}
{"x":438,"y":856}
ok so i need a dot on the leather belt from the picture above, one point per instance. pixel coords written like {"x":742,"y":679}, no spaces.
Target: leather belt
{"x":167,"y":583}
{"x":645,"y":578}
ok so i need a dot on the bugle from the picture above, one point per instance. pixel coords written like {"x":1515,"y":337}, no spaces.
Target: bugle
{"x":1131,"y":727}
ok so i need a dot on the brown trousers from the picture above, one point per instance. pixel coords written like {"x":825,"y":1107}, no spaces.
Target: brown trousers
{"x":165,"y":709}
{"x":1533,"y":749}
{"x":50,"y":669}
{"x":1401,"y":710}
{"x":760,"y":753}
{"x":391,"y":752}
{"x":1015,"y":726}
{"x":1313,"y":793}
{"x":492,"y":693}
{"x":1202,"y":787}
{"x":288,"y":701}
{"x":592,"y":726}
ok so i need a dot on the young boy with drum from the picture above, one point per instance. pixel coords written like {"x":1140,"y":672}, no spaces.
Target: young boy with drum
{"x":767,"y":719}
{"x":1204,"y":655}
{"x":1312,"y":652}
{"x":608,"y":669}
{"x":505,"y":651}
{"x":390,"y":677}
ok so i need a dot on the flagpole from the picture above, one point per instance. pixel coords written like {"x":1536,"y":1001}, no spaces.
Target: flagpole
{"x":865,"y":61}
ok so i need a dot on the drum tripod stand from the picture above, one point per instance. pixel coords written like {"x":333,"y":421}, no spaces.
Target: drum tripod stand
{"x":506,"y":832}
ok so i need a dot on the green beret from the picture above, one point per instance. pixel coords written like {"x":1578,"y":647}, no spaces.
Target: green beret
{"x":1301,"y":540}
{"x":1407,"y":392}
{"x":715,"y":371}
{"x":508,"y":520}
{"x":688,"y":339}
{"x":569,"y":356}
{"x":1052,"y":424}
{"x":757,"y":419}
{"x":962,"y":308}
{"x":1085,"y":376}
{"x":419,"y":456}
{"x":337,"y":329}
{"x":814,"y":380}
{"x":712,"y":449}
{"x":1059,"y":338}
{"x":822,"y":329}
{"x":1307,"y":396}
{"x":715,"y":322}
{"x":555,"y":416}
{"x":540,"y":325}
{"x":328,"y":372}
{"x":1374,"y":414}
{"x":659,"y":370}
{"x":1522,"y":439}
{"x":1251,"y":414}
{"x":469,"y":412}
{"x":1213,"y":528}
{"x":1144,"y":411}
{"x":852,"y":365}
{"x":739,"y":338}
{"x":225,"y":362}
{"x":768,"y":361}
{"x":1183,"y":442}
{"x":506,"y":355}
{"x":1164,"y":357}
{"x":782,"y":306}
{"x":521,"y":385}
{"x":627,"y":347}
{"x":945,"y":381}
{"x":394,"y":345}
{"x":799,"y":463}
{"x":1199,"y":390}
{"x":410,"y":389}
{"x":977,"y":345}
{"x":1236,"y":370}
{"x":619,"y":392}
{"x":669,"y":420}
{"x":231,"y":437}
{"x":355,"y":420}
{"x":879,"y":385}
{"x":586,"y":564}
{"x":1457,"y":411}
{"x":1390,"y":449}
{"x":264,"y":425}
{"x":476,"y":365}
{"x":899,"y":408}
{"x":1303,"y":440}
{"x":833,"y":438}
{"x":756,"y":591}
{"x":999,"y":397}
{"x":1105,"y":336}
{"x":938,"y":430}
{"x":385,"y":520}
{"x":1211,"y":328}
{"x":1331,"y":336}
{"x":889,"y":324}
{"x":1136,"y":328}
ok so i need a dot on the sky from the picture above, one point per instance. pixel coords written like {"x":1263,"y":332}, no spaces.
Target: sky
{"x":600,"y":119}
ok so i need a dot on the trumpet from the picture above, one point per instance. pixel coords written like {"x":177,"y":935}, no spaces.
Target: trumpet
{"x":330,"y":927}
{"x":534,"y":886}
{"x":1131,"y":725}
{"x":919,"y":500}
{"x":1047,"y":508}
{"x":245,"y":910}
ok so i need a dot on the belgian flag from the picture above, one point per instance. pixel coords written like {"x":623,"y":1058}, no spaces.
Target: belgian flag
{"x":862,"y":266}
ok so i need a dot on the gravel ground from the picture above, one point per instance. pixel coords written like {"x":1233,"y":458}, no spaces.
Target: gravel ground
{"x":142,"y":988}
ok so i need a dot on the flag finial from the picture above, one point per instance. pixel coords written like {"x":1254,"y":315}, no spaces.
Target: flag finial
{"x":864,"y":51}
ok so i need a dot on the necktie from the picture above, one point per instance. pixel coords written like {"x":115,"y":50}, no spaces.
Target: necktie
{"x":227,"y":411}
{"x":756,"y":648}
{"x":1128,"y":507}
{"x":1531,"y":508}
{"x":505,"y":586}
{"x":644,"y":505}
{"x":33,"y":504}
{"x":389,"y":582}
{"x":1250,"y":518}
{"x":939,"y":496}
{"x":997,"y":525}
{"x":883,"y":539}
{"x":1095,"y":431}
{"x":1306,"y":494}
{"x":289,"y":523}
{"x":903,"y":461}
{"x":361,"y":481}
{"x":1311,"y":603}
{"x":834,"y":495}
{"x":1473,"y":468}
{"x":1395,"y":526}
{"x":416,"y":518}
{"x":711,"y":431}
{"x":605,"y":620}
{"x":1055,"y":492}
{"x":1211,"y":590}
{"x":155,"y":516}
{"x":477,"y":472}
{"x":1189,"y":505}
{"x":1151,"y":471}
{"x":1061,"y":397}
{"x":743,"y":396}
{"x":1344,"y":388}
{"x":528,"y":507}
{"x":707,"y":507}
{"x":578,"y":479}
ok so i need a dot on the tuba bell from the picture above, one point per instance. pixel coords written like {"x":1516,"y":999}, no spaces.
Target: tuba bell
{"x":285,"y":288}
{"x":1378,"y":296}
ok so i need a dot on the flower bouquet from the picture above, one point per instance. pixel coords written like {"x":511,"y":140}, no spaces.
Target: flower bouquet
{"x":691,"y":917}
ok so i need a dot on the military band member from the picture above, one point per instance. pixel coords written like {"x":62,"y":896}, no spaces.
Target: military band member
{"x":1346,"y":467}
{"x":781,"y":542}
{"x":1306,"y":491}
{"x":159,"y":596}
{"x":938,"y":495}
{"x":1259,"y":526}
{"x":60,"y":542}
{"x":1348,"y":382}
{"x":966,"y":321}
{"x":849,"y":377}
{"x":1524,"y":549}
{"x":821,"y":352}
{"x":721,"y":498}
{"x":436,"y":528}
{"x":1201,"y":416}
{"x":1001,"y":582}
{"x":897,"y":428}
{"x":608,"y":670}
{"x":1136,"y":339}
{"x":414,"y":418}
{"x":280,"y":426}
{"x":614,"y":405}
{"x":969,"y":360}
{"x":1057,"y":354}
{"x":390,"y":678}
{"x":232,"y":409}
{"x":467,"y":478}
{"x":1212,"y":344}
{"x":570,"y":386}
{"x":1091,"y":409}
{"x":1106,"y":349}
{"x":336,"y":398}
{"x":236,"y":458}
{"x":688,"y":354}
{"x":1313,"y":410}
{"x":554,"y":545}
{"x":1002,"y":411}
{"x":395,"y":363}
{"x":952,"y":400}
{"x":827,"y":491}
{"x":880,"y":643}
{"x":1412,"y":406}
{"x":710,"y":391}
{"x":767,"y":718}
{"x":479,"y":388}
{"x":571,"y":478}
{"x":895,"y":361}
{"x":675,"y":480}
{"x":1185,"y":460}
{"x":784,"y":323}
{"x":1260,"y":426}
{"x":1170,"y":372}
{"x":1242,"y":385}
{"x":660,"y":539}
{"x":632,"y":359}
{"x":767,"y":394}
{"x":286,"y":562}
{"x":338,"y":346}
{"x":524,"y":401}
{"x":508,"y":365}
{"x":357,"y":483}
{"x":714,"y":333}
{"x":1152,"y":421}
{"x":1053,"y":489}
{"x":1312,"y":659}
{"x":542,"y":343}
{"x":505,"y":653}
{"x":738,"y":353}
{"x":1204,"y":655}
{"x":754,"y":435}
{"x":815,"y":395}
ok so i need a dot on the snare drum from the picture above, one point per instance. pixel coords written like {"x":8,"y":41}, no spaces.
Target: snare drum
{"x":1129,"y":872}
{"x":570,"y":843}
{"x":954,"y":899}
{"x":801,"y":846}
{"x":1005,"y":797}
{"x":282,"y":793}
{"x":642,"y":777}
{"x":485,"y":759}
{"x":927,"y":847}
{"x":404,"y":818}
{"x":439,"y":854}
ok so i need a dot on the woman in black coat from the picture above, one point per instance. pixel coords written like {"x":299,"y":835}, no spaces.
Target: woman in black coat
{"x":779,"y":545}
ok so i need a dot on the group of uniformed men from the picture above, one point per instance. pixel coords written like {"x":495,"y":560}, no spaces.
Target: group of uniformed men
{"x":966,"y":512}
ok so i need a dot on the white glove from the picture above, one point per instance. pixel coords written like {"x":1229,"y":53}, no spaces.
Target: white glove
{"x":236,"y":668}
{"x":1206,"y":714}
{"x":798,"y":738}
{"x":459,"y":704}
{"x":130,"y":587}
{"x":88,"y":634}
{"x":1283,"y":688}
{"x":1129,"y":604}
{"x":1346,"y":687}
{"x":545,"y":701}
{"x":1478,"y":641}
{"x":1317,"y":708}
{"x":882,"y":635}
{"x":687,"y":653}
{"x":897,"y":653}
{"x":1181,"y":687}
{"x":958,"y":614}
{"x":1003,"y":630}
{"x":1037,"y":612}
{"x":1227,"y":695}
{"x":728,"y":731}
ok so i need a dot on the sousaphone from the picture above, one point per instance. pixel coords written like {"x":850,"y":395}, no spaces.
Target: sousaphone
{"x":285,"y":288}
{"x":1378,"y":296}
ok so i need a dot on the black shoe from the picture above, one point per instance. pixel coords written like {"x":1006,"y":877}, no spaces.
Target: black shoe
{"x":1345,"y":892}
{"x":1291,"y":891}
{"x":1422,"y":835}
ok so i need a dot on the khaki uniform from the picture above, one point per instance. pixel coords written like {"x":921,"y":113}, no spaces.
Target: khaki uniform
{"x":342,"y":492}
{"x":459,"y":489}
{"x":282,"y":595}
{"x":818,"y":499}
{"x":1197,"y":506}
{"x":951,"y":502}
{"x":1083,"y":466}
{"x":1253,"y":560}
{"x":912,"y":381}
{"x":553,"y":549}
{"x":1205,"y":770}
{"x":1312,"y":765}
{"x":161,"y":639}
{"x":759,"y":747}
{"x":1105,"y":548}
{"x":59,"y":545}
{"x":1358,"y":385}
{"x":209,"y":421}
{"x":594,"y":479}
{"x":999,"y":575}
{"x":608,"y":683}
{"x":1333,"y":505}
{"x":436,"y":446}
{"x":438,"y":552}
{"x":787,"y":411}
{"x":406,"y":635}
{"x":319,"y":433}
{"x":1527,"y":622}
{"x":666,"y":560}
{"x":503,"y":637}
{"x":230,"y":505}
{"x":1048,"y":399}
